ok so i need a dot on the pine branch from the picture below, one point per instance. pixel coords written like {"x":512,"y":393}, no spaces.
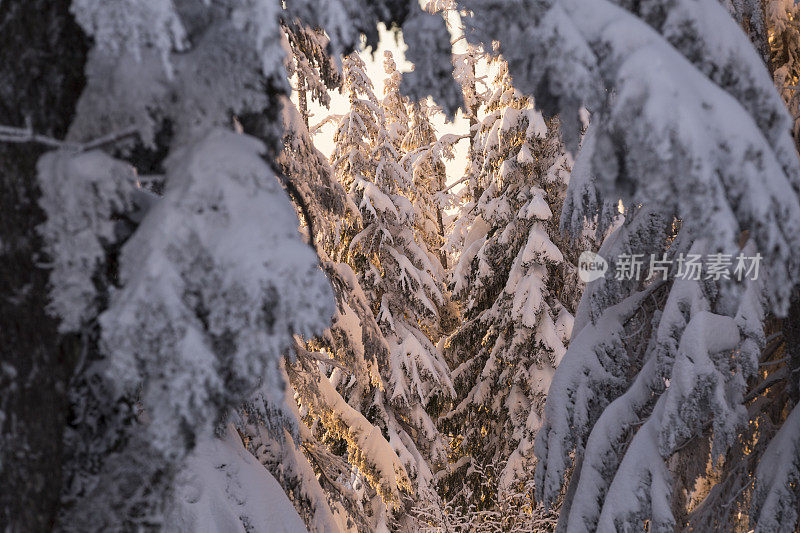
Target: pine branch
{"x":300,"y":200}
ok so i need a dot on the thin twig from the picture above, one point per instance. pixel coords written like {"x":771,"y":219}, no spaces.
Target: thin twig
{"x":23,"y":135}
{"x":771,"y":380}
{"x":738,"y":493}
{"x":109,"y":139}
{"x":329,"y":118}
{"x":462,"y":180}
{"x":10,"y":134}
{"x":777,"y":361}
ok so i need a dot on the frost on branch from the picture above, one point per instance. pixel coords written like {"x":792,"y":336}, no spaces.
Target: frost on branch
{"x":81,"y":195}
{"x":214,"y":282}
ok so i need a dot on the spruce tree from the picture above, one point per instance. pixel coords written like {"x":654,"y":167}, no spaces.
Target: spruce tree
{"x":621,"y":413}
{"x":314,"y":70}
{"x":766,"y":448}
{"x":158,"y":297}
{"x":399,"y":279}
{"x":166,"y":85}
{"x":516,"y":290}
{"x":428,"y":173}
{"x":395,"y":105}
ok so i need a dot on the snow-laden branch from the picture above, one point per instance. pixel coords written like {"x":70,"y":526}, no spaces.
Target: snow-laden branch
{"x":462,"y":180}
{"x":329,"y":118}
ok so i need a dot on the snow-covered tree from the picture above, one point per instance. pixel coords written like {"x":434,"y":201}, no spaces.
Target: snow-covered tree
{"x":772,"y":393}
{"x":429,"y":176}
{"x":358,"y":129}
{"x":725,"y":141}
{"x":187,"y":333}
{"x":314,"y":70}
{"x":429,"y":50}
{"x":324,"y":206}
{"x":395,"y":105}
{"x":351,"y":436}
{"x":782,"y":20}
{"x":462,"y":199}
{"x":346,"y":421}
{"x":162,"y":78}
{"x":353,"y":462}
{"x":399,"y":278}
{"x":612,"y":49}
{"x":158,"y":297}
{"x":516,"y":289}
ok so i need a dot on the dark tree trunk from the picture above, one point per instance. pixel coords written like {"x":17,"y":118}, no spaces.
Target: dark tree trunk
{"x":302,"y":97}
{"x":791,"y":334}
{"x":42,"y":54}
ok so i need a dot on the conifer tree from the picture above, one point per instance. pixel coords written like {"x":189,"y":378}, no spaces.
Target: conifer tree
{"x":395,"y":105}
{"x":516,"y":289}
{"x":309,"y":62}
{"x":782,"y":20}
{"x":276,"y":433}
{"x":624,"y":414}
{"x":399,"y":279}
{"x":347,"y":424}
{"x":161,"y":79}
{"x":428,"y":174}
{"x":180,"y":357}
{"x":462,"y":199}
{"x":766,"y":448}
{"x":340,"y":424}
{"x":169,"y":358}
{"x":358,"y":129}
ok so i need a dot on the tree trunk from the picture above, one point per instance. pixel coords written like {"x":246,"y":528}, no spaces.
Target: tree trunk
{"x":42,"y":54}
{"x":791,"y":334}
{"x":302,"y":97}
